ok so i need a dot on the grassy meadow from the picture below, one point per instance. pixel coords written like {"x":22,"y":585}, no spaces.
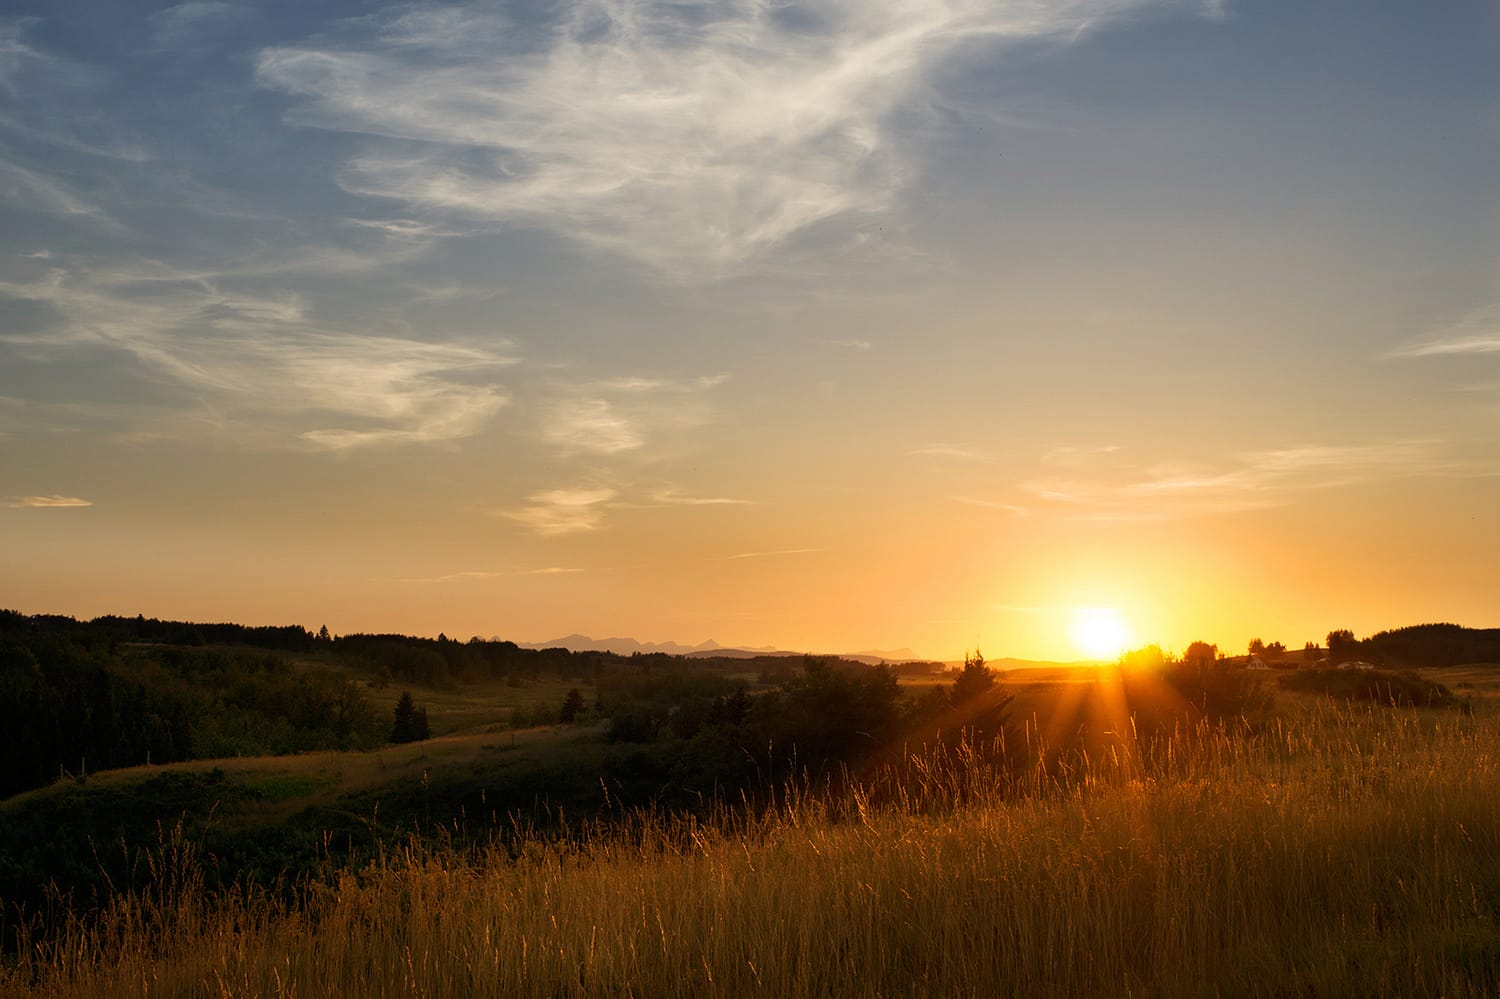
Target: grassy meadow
{"x":1330,"y":849}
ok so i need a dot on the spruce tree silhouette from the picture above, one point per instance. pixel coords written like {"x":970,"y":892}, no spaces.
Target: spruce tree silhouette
{"x":411,"y":721}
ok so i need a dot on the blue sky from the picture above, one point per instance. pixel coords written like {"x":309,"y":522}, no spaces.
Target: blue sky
{"x":820,"y":325}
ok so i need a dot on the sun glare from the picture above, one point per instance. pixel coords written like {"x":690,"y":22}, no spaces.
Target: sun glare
{"x":1100,"y":632}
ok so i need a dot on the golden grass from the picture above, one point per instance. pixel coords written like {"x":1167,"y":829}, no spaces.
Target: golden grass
{"x":1341,"y":852}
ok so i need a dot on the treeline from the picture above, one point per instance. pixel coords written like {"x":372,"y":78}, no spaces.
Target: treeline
{"x":78,"y":697}
{"x":112,"y":630}
{"x":62,"y":706}
{"x":436,"y":662}
{"x":1417,"y":646}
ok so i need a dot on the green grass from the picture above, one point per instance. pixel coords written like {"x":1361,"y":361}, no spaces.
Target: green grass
{"x":1406,"y":688}
{"x":287,"y":786}
{"x":279,"y":816}
{"x":456,"y":708}
{"x":1337,"y":851}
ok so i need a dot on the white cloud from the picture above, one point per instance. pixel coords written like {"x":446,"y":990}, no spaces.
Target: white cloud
{"x":57,"y":133}
{"x":563,"y":511}
{"x":448,"y":577}
{"x":34,"y":76}
{"x":691,"y":138}
{"x":182,"y":23}
{"x":1476,"y":333}
{"x":1010,"y":508}
{"x":957,"y":452}
{"x":671,"y":497}
{"x":35,"y":191}
{"x":47,"y":502}
{"x":470,"y":574}
{"x":408,"y":389}
{"x":1079,"y":455}
{"x":404,"y":229}
{"x":590,"y":425}
{"x":14,"y":53}
{"x":617,"y":416}
{"x":784,"y":551}
{"x":1478,"y":344}
{"x":1250,"y":481}
{"x":256,"y":358}
{"x":637,"y":384}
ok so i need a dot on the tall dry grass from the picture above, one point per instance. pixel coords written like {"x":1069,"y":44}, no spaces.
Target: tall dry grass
{"x":1344,"y":852}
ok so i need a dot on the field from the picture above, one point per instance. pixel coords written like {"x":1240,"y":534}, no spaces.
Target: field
{"x":455,"y":709}
{"x":1333,"y":850}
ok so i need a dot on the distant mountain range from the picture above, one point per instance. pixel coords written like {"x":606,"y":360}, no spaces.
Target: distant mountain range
{"x":705,"y":650}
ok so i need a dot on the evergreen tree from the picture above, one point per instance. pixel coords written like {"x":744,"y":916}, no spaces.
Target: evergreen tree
{"x":572,"y":707}
{"x":975,"y":679}
{"x":411,"y":721}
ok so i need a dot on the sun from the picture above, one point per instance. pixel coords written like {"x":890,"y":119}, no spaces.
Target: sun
{"x":1100,"y":632}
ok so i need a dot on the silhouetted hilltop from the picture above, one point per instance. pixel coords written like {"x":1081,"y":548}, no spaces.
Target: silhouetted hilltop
{"x":708,"y":649}
{"x":1432,"y":645}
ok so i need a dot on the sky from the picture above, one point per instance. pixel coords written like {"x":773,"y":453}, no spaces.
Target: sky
{"x":827,"y":326}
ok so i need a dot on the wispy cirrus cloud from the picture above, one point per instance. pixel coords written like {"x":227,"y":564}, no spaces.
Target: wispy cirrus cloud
{"x":690,"y":138}
{"x":563,"y":511}
{"x":12,"y":50}
{"x":956,"y":452}
{"x":51,"y":113}
{"x":1476,"y":333}
{"x":447,"y":577}
{"x":1249,"y":481}
{"x":1079,"y":455}
{"x":778,"y":553}
{"x":402,"y":391}
{"x":1014,"y":509}
{"x":39,"y":192}
{"x":595,"y":426}
{"x":58,"y":135}
{"x":473,"y":574}
{"x":1305,"y":466}
{"x":181,"y":23}
{"x":620,"y":415}
{"x":406,"y":229}
{"x":47,"y":502}
{"x":671,"y":497}
{"x":17,"y":55}
{"x":256,"y":357}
